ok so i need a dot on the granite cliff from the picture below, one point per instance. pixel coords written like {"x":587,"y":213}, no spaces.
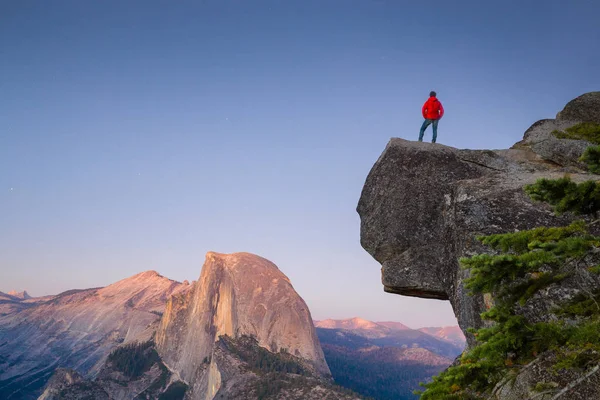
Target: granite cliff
{"x":423,"y":205}
{"x":237,"y":295}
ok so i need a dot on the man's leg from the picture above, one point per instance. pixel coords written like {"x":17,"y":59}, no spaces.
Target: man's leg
{"x":423,"y":127}
{"x":434,"y":124}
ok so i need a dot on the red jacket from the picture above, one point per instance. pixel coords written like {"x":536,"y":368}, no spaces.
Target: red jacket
{"x":432,"y":109}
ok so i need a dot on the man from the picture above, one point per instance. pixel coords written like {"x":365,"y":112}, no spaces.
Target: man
{"x":432,"y":112}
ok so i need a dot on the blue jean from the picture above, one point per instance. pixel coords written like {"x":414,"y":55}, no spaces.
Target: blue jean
{"x":426,"y":123}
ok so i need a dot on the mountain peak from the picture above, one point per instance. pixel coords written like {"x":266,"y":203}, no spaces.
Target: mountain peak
{"x":150,"y":274}
{"x":237,"y":294}
{"x":397,"y":326}
{"x":20,"y":295}
{"x":246,"y":264}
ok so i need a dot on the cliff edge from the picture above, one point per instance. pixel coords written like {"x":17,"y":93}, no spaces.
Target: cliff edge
{"x":423,"y":205}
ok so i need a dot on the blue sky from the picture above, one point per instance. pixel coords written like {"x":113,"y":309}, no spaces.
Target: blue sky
{"x":139,"y":135}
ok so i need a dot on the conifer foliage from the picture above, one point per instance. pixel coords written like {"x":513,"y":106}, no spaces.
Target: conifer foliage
{"x":591,"y":157}
{"x":566,"y":195}
{"x":519,"y":266}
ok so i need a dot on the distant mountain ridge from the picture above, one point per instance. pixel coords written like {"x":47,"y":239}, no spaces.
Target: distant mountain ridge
{"x":397,"y":326}
{"x":397,"y":334}
{"x":452,"y":334}
{"x":357,"y":325}
{"x":385,"y":361}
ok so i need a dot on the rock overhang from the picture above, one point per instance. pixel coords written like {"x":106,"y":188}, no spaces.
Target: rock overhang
{"x":423,"y":205}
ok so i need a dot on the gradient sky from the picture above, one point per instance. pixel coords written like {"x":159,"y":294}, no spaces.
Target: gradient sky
{"x":139,"y":135}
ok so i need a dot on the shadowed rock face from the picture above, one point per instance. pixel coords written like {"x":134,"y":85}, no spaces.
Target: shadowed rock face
{"x":423,"y":205}
{"x":237,"y":294}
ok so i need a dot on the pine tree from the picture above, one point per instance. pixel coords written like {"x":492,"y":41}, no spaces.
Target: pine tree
{"x":522,"y":264}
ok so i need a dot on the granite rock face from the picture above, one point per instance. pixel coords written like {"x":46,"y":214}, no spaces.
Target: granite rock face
{"x":237,"y":294}
{"x":423,"y":205}
{"x":564,"y":152}
{"x":585,"y":108}
{"x":574,"y":385}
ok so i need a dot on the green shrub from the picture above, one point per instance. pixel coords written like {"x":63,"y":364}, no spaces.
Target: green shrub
{"x":566,"y":195}
{"x":589,"y":131}
{"x":591,"y":156}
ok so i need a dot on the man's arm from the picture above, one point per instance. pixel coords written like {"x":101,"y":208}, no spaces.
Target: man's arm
{"x":441,"y":110}
{"x":424,"y":110}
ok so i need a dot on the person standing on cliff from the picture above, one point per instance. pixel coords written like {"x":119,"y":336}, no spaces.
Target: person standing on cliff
{"x":432,"y":112}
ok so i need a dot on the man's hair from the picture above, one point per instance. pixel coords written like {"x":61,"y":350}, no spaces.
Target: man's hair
{"x":432,"y":94}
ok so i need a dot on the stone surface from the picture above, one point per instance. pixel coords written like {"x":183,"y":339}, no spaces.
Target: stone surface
{"x":237,"y":294}
{"x":563,"y":152}
{"x":575,"y":385}
{"x":583,"y":108}
{"x":423,"y":205}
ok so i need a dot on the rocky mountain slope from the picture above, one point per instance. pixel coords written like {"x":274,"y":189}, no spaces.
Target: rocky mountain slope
{"x":76,"y":329}
{"x":423,"y":205}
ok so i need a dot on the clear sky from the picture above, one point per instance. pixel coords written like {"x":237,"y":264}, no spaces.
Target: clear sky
{"x":139,"y":135}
